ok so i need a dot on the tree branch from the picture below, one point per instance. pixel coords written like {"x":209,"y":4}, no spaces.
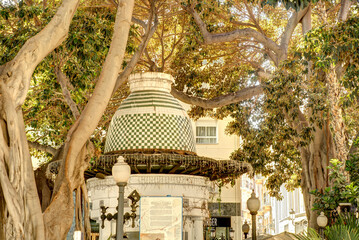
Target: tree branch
{"x":139,"y":22}
{"x":344,"y":10}
{"x":21,"y":68}
{"x":63,"y":81}
{"x":264,"y":74}
{"x":289,"y":29}
{"x":133,"y":19}
{"x":43,"y":148}
{"x":210,"y":38}
{"x":307,"y":21}
{"x":220,"y":101}
{"x":145,"y":39}
{"x":96,"y":105}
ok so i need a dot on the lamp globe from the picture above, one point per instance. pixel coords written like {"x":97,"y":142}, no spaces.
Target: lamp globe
{"x":245,"y":227}
{"x":322,"y":220}
{"x":121,"y":171}
{"x":253,"y":203}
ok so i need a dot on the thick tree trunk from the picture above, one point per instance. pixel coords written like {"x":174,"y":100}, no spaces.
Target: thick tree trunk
{"x":76,"y":148}
{"x":311,"y":215}
{"x":337,"y":122}
{"x":315,"y":161}
{"x":21,"y":214}
{"x":62,"y":203}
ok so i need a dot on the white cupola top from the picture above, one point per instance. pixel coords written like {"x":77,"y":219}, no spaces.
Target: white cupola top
{"x":150,"y":81}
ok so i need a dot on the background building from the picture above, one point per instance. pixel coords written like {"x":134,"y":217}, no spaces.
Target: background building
{"x":225,"y":207}
{"x":289,"y":213}
{"x":274,"y":216}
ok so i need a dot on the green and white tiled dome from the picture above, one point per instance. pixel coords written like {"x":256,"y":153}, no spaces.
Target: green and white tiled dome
{"x":150,"y":119}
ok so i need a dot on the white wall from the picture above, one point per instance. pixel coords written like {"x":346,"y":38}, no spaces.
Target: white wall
{"x":285,"y":221}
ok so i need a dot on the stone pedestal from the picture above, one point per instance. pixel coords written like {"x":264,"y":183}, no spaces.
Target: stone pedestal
{"x":195,"y":190}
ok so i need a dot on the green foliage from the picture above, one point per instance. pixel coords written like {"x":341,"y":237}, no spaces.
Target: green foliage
{"x":342,"y":232}
{"x":80,"y":57}
{"x":346,"y":228}
{"x":46,"y":113}
{"x":17,"y":25}
{"x":311,"y":234}
{"x":352,"y":166}
{"x":297,"y":95}
{"x":332,"y":45}
{"x":267,"y":145}
{"x":299,"y":92}
{"x":340,"y":192}
{"x":294,"y":4}
{"x":269,"y":142}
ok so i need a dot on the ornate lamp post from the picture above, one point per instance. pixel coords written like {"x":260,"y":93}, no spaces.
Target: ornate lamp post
{"x":245,"y":229}
{"x":253,"y":205}
{"x":292,"y":215}
{"x":322,"y":221}
{"x":121,"y":172}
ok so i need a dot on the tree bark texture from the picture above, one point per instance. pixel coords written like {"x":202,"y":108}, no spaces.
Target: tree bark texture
{"x":344,"y":10}
{"x":334,"y":93}
{"x":315,"y":161}
{"x":220,"y":101}
{"x":337,"y":123}
{"x":21,"y":214}
{"x":77,"y":147}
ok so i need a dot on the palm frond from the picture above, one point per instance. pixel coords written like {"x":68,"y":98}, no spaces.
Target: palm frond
{"x":311,"y":234}
{"x":343,"y":232}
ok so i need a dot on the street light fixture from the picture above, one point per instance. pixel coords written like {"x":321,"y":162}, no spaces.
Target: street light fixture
{"x":213,"y":233}
{"x":134,"y":197}
{"x":245,"y":229}
{"x":253,"y":205}
{"x":121,"y":172}
{"x":292,"y":215}
{"x":322,"y":221}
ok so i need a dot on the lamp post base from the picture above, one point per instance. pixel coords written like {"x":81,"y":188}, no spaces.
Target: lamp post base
{"x":254,"y":225}
{"x":120,"y":211}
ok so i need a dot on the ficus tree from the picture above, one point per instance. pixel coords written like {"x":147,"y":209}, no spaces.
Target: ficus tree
{"x":54,"y":58}
{"x":235,"y":56}
{"x":283,"y":87}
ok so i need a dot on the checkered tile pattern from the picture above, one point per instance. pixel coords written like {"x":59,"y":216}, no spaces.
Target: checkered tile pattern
{"x":150,"y":131}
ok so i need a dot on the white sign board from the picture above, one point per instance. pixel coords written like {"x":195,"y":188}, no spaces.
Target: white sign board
{"x":161,"y":218}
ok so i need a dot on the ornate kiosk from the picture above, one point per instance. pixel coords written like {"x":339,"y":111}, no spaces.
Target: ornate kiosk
{"x":153,"y":133}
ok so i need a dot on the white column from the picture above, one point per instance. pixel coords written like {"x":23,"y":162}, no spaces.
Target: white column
{"x":236,"y":223}
{"x":190,"y":228}
{"x":198,"y":228}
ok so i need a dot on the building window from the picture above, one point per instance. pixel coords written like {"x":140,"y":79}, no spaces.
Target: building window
{"x":206,"y":135}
